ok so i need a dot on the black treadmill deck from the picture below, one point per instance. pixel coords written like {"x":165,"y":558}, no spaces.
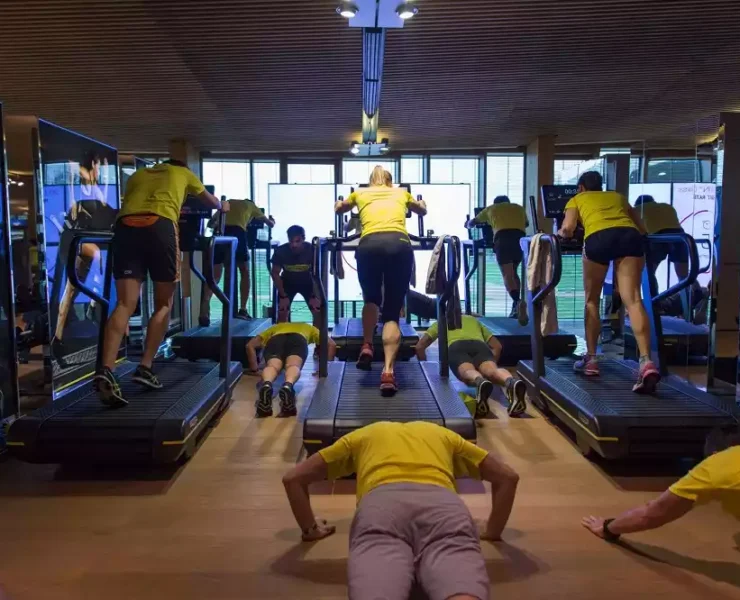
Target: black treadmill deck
{"x":156,"y":426}
{"x":516,"y":340}
{"x":682,"y":341}
{"x":607,"y":416}
{"x":347,"y":334}
{"x":349,"y":399}
{"x":204,"y":342}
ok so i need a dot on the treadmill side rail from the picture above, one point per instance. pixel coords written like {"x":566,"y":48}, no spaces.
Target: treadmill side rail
{"x":318,"y":426}
{"x":454,"y":412}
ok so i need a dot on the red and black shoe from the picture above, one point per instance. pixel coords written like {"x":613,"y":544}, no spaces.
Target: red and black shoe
{"x":365,"y":360}
{"x":388,"y":385}
{"x":647,"y":378}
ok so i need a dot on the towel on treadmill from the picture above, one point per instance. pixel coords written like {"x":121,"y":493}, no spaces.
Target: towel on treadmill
{"x":436,"y":282}
{"x":539,"y":267}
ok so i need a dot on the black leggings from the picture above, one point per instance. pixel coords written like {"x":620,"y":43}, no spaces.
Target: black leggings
{"x":384,"y":263}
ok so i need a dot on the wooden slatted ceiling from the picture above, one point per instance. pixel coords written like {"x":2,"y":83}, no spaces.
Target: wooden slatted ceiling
{"x":266,"y":75}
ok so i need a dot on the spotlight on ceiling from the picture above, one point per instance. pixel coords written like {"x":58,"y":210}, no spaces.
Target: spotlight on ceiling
{"x":348,"y":10}
{"x":355,"y":148}
{"x":406,"y":10}
{"x":384,"y":146}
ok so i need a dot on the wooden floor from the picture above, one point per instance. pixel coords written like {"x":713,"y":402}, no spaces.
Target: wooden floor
{"x":220,"y":527}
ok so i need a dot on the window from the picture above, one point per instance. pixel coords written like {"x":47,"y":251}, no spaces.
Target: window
{"x":358,"y":171}
{"x":230,"y":178}
{"x":568,"y":171}
{"x":412,"y":169}
{"x":505,"y":177}
{"x":456,"y":170}
{"x":682,"y":170}
{"x":299,"y":173}
{"x":265,"y":173}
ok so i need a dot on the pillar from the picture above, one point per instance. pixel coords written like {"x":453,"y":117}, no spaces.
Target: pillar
{"x":184,"y":151}
{"x":618,"y":173}
{"x":539,"y":170}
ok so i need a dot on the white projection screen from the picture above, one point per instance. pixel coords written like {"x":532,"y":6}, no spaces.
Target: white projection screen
{"x":309,"y":205}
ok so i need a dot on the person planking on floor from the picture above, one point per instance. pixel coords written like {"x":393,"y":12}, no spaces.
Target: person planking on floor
{"x":410,"y":524}
{"x":717,"y":477}
{"x":473,"y":353}
{"x":285,"y":346}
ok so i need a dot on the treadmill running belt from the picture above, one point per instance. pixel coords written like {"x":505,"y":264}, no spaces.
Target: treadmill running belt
{"x":204,"y":342}
{"x":347,"y":334}
{"x":516,"y":340}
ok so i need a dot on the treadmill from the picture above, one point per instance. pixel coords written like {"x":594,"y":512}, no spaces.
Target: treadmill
{"x":603,"y":413}
{"x":157,"y":426}
{"x":347,"y":332}
{"x":201,"y":343}
{"x":347,"y":398}
{"x":515,"y":338}
{"x":685,"y":341}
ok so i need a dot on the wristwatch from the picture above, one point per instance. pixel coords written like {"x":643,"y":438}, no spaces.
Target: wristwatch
{"x":608,"y":535}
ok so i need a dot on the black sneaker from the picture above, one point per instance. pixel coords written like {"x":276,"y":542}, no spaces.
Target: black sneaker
{"x":108,"y":388}
{"x":482,"y":394}
{"x":243,"y":314}
{"x":204,"y":321}
{"x":521,"y":313}
{"x":513,"y":313}
{"x":264,"y":403}
{"x":516,"y":393}
{"x":287,"y":401}
{"x":146,"y":377}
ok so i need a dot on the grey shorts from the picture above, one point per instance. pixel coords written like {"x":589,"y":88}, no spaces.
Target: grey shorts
{"x":405,"y":533}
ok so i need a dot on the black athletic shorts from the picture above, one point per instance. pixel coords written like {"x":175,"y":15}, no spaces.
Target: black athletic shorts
{"x":506,"y":246}
{"x":293,"y":289}
{"x":242,"y":253}
{"x":614,"y":243}
{"x":140,"y":249}
{"x":284,"y":345}
{"x":469,"y":351}
{"x":384,"y":264}
{"x":678,"y":252}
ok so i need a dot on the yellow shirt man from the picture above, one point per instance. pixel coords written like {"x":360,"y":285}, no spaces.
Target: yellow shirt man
{"x":416,"y":452}
{"x":658,"y":216}
{"x":471,"y":329}
{"x":241,"y":214}
{"x":382,"y":209}
{"x":505,"y":215}
{"x":160,"y":190}
{"x":601,"y":210}
{"x":306,"y":330}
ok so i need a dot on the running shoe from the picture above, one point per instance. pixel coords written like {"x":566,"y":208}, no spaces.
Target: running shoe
{"x":517,"y":395}
{"x":243,"y":314}
{"x":513,"y":311}
{"x":264,"y":402}
{"x":287,"y":401}
{"x":108,"y":388}
{"x":521,"y":313}
{"x":647,"y":378}
{"x":365,"y":359}
{"x":146,"y":377}
{"x":587,"y":365}
{"x":388,"y":385}
{"x":482,"y":394}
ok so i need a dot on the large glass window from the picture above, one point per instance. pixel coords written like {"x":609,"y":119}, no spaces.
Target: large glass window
{"x":265,"y":173}
{"x":456,"y":170}
{"x":505,"y":177}
{"x":677,"y":170}
{"x":412,"y":169}
{"x":320,"y":173}
{"x":568,"y":171}
{"x":230,"y":178}
{"x":358,"y":171}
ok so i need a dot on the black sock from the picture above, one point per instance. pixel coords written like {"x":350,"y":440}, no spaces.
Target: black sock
{"x":515,"y":295}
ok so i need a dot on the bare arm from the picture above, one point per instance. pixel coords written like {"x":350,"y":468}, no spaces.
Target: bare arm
{"x":332,"y":349}
{"x":637,"y":219}
{"x":503,"y":480}
{"x":296,"y":483}
{"x":421,"y":346}
{"x":212,"y":202}
{"x":418,"y":206}
{"x":269,"y":221}
{"x":277,"y":280}
{"x":665,"y":508}
{"x":342,"y":206}
{"x":495,"y":347}
{"x":252,"y":346}
{"x":569,"y":223}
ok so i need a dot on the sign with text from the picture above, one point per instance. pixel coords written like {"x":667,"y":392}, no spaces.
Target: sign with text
{"x":695,"y":205}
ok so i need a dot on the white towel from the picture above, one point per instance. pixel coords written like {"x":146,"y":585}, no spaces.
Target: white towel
{"x":538,"y":273}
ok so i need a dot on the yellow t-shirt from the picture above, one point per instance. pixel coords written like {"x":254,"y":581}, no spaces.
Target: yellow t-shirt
{"x":416,"y":452}
{"x":601,"y":210}
{"x":715,"y":478}
{"x":504,"y":216}
{"x":307,"y":331}
{"x":160,"y":190}
{"x":658,"y":216}
{"x":471,"y":330}
{"x":241,"y":212}
{"x":382,"y":209}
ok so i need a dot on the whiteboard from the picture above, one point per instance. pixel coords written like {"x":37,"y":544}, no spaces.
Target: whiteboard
{"x":309,"y":205}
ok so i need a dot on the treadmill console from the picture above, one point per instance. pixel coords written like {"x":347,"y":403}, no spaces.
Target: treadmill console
{"x":485,"y":229}
{"x":554,"y":199}
{"x":192,"y":215}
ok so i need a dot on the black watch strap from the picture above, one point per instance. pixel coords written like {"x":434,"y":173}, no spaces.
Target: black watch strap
{"x":608,"y":535}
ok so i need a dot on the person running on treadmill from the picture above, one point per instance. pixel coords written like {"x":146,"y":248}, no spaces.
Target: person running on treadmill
{"x":509,"y":224}
{"x":717,"y":477}
{"x":145,"y":241}
{"x":291,"y":273}
{"x":473,"y":354}
{"x":384,"y":263}
{"x":285,"y":346}
{"x":613,"y":231}
{"x":409,"y":524}
{"x":240,"y":215}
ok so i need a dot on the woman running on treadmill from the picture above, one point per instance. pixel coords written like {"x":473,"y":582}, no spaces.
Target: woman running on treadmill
{"x":613,"y":231}
{"x":509,"y":224}
{"x":285,"y":346}
{"x":145,"y":242}
{"x":384,"y":263}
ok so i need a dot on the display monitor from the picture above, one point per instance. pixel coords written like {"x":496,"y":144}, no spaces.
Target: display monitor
{"x":555,"y":197}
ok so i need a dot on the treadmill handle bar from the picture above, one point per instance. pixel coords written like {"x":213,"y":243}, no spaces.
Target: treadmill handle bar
{"x":452,"y":258}
{"x":693,"y":261}
{"x":556,"y":262}
{"x":225,"y":296}
{"x":319,"y":250}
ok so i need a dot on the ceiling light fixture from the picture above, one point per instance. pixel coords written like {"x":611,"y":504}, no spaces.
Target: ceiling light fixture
{"x":406,"y":10}
{"x":385,"y":146}
{"x":355,"y":148}
{"x":348,"y":10}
